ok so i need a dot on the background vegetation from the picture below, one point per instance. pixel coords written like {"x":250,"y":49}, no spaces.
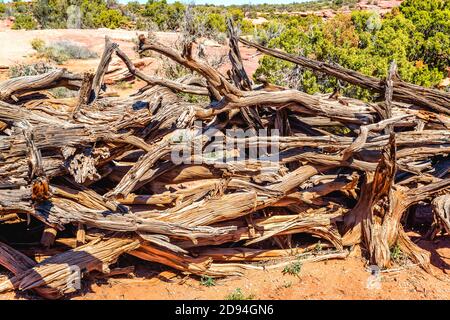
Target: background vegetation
{"x":416,"y":35}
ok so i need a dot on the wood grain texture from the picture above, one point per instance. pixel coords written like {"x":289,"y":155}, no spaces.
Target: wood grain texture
{"x":100,"y":168}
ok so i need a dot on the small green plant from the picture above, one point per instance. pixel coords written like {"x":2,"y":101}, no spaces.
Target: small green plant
{"x":171,"y":70}
{"x":207,"y":281}
{"x":293,"y":268}
{"x":123,"y":85}
{"x":397,"y":255}
{"x":24,"y":21}
{"x":62,"y":92}
{"x":55,"y":54}
{"x":75,"y":50}
{"x":32,"y":69}
{"x":38,"y":44}
{"x":318,"y":247}
{"x":395,"y":252}
{"x":61,"y":51}
{"x":192,"y":98}
{"x":237,"y":294}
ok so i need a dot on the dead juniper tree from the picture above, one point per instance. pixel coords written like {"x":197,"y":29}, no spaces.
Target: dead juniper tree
{"x":136,"y":174}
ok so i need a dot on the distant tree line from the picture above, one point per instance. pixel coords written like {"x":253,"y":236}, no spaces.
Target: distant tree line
{"x":154,"y":15}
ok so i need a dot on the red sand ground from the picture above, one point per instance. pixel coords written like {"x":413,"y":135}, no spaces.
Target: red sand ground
{"x":334,"y":279}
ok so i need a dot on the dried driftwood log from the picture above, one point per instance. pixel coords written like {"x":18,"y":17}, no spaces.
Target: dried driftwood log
{"x":336,"y":170}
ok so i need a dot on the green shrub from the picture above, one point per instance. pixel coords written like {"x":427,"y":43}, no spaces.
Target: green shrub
{"x":52,"y":14}
{"x":236,"y":14}
{"x":74,"y":50}
{"x":246,"y":27}
{"x":62,"y":92}
{"x":416,"y":35}
{"x":165,"y":16}
{"x":133,"y":6}
{"x":55,"y":54}
{"x":24,"y":21}
{"x":207,"y":281}
{"x":18,"y":7}
{"x":61,"y":51}
{"x":216,"y":22}
{"x":110,"y":18}
{"x":38,"y":44}
{"x":293,"y":268}
{"x":269,"y":31}
{"x":20,"y":70}
{"x":2,"y":8}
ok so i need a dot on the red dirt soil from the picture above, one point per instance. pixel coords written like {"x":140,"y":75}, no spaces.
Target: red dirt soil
{"x":333,"y":279}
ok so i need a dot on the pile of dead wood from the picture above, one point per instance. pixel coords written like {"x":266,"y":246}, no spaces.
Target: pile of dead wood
{"x":97,"y":172}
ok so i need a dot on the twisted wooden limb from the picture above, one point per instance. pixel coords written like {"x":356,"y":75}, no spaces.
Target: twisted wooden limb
{"x":240,"y":77}
{"x":382,"y":205}
{"x":216,"y":79}
{"x":441,"y":210}
{"x":17,"y":263}
{"x":85,"y":92}
{"x":152,"y":80}
{"x":234,"y":98}
{"x":110,"y":48}
{"x":10,"y":89}
{"x":185,"y":263}
{"x":379,"y":221}
{"x":359,"y":142}
{"x":378,"y":224}
{"x":61,"y":272}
